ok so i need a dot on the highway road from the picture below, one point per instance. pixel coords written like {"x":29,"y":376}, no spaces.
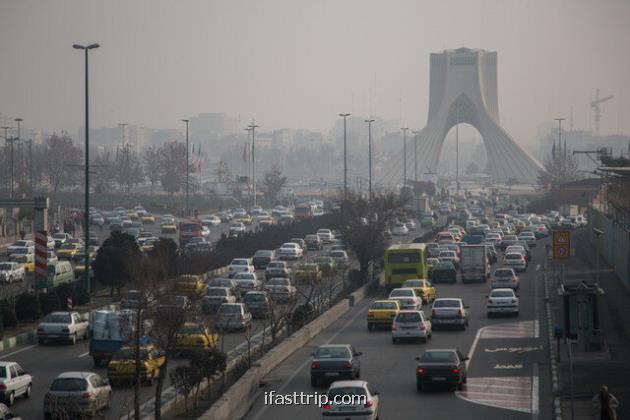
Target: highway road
{"x":508,"y":371}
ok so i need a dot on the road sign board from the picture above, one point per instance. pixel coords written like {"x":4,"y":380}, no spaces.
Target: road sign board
{"x":561,"y":237}
{"x":561,"y":252}
{"x":561,"y":244}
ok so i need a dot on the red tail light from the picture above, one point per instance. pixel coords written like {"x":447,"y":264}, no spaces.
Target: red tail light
{"x":411,"y":302}
{"x":3,"y":387}
{"x":460,"y":313}
{"x":513,"y":300}
{"x":86,"y":395}
{"x":420,"y":370}
{"x":393,"y":327}
{"x":368,"y":404}
{"x":327,"y":406}
{"x":455,"y":370}
{"x":370,"y":315}
{"x":513,"y":279}
{"x":314,"y":365}
{"x":347,"y":366}
{"x":423,"y":327}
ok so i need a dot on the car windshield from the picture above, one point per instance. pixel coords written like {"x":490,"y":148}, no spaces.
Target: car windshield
{"x":59,"y":236}
{"x":245,"y":276}
{"x":408,"y":317}
{"x":216,"y":292}
{"x":275,"y":265}
{"x":254,"y":297}
{"x":502,"y":293}
{"x":446,"y":303}
{"x":513,"y":256}
{"x":278,"y":282}
{"x":239,"y":262}
{"x":57,"y":318}
{"x":230,"y":309}
{"x":444,"y":266}
{"x":338,"y":254}
{"x":69,"y":384}
{"x":263,"y":254}
{"x":438,"y":357}
{"x":503,"y":273}
{"x":401,"y":292}
{"x":193,"y":329}
{"x":384,"y":305}
{"x":6,"y":266}
{"x":332,"y":353}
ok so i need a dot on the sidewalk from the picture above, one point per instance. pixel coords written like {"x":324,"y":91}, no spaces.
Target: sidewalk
{"x":594,"y":369}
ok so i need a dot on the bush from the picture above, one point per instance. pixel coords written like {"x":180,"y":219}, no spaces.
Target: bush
{"x":354,"y":278}
{"x":49,"y":302}
{"x":301,"y":316}
{"x":8,"y":315}
{"x":27,"y":307}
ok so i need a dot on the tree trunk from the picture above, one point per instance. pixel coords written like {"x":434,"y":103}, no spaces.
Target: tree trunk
{"x":158,"y":391}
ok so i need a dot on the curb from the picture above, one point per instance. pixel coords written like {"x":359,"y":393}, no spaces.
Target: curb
{"x":557,"y":408}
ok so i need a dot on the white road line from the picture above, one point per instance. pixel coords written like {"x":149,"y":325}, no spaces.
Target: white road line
{"x":536,"y":329}
{"x":498,"y":396}
{"x":84,"y":354}
{"x":262,"y":411}
{"x":537,"y":267}
{"x":18,"y":351}
{"x":487,"y":385}
{"x":535,"y":390}
{"x":473,"y":347}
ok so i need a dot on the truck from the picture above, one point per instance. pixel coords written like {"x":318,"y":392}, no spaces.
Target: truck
{"x":567,"y":210}
{"x":474,"y":263}
{"x":421,"y":205}
{"x":109,"y":331}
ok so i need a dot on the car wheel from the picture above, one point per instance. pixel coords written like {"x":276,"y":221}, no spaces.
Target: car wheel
{"x":27,"y":393}
{"x":394,"y":340}
{"x":10,"y":399}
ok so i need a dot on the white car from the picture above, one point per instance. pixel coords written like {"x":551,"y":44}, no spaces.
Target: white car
{"x":240,"y":265}
{"x":205,"y":232}
{"x":211,"y":221}
{"x":399,"y":229}
{"x":365,"y":404}
{"x":18,"y":247}
{"x":515,"y":260}
{"x":528,"y":237}
{"x":14,"y":382}
{"x":280,"y":289}
{"x":502,"y":301}
{"x":407,"y":298}
{"x":11,"y":271}
{"x":50,"y":242}
{"x":233,"y":316}
{"x":237,"y":229}
{"x":62,"y":326}
{"x":326,"y":235}
{"x":290,"y":251}
{"x":247,"y":282}
{"x":411,"y":325}
{"x":61,"y":238}
{"x":340,"y":257}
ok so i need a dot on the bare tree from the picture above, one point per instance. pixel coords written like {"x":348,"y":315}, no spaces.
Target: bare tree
{"x":273,"y":182}
{"x":152,"y":165}
{"x":559,"y":169}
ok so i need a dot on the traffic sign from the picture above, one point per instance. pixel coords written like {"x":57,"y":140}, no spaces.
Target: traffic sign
{"x":561,"y":237}
{"x":561,"y":244}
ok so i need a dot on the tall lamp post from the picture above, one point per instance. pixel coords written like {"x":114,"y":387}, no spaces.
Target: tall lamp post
{"x":253,"y":127}
{"x":20,"y":166}
{"x":415,"y":155}
{"x":187,"y":168}
{"x":404,"y":130}
{"x":564,"y":154}
{"x":7,"y":140}
{"x":345,"y":155}
{"x":86,"y":212}
{"x":370,"y":121}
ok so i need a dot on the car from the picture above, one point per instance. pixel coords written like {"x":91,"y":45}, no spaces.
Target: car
{"x":301,"y":242}
{"x":313,"y":243}
{"x":355,"y":400}
{"x":406,"y":297}
{"x":215,"y":296}
{"x":427,"y":221}
{"x":240,"y":265}
{"x":423,"y":288}
{"x":411,"y":325}
{"x":280,"y":289}
{"x":431,"y":263}
{"x":410,"y":224}
{"x":194,"y":336}
{"x":449,"y":256}
{"x":262,"y":258}
{"x":399,"y":229}
{"x":258,"y":303}
{"x":14,"y":382}
{"x":339,"y":256}
{"x":247,"y":282}
{"x":62,"y":326}
{"x":18,"y":246}
{"x":189,"y":285}
{"x":60,"y":238}
{"x":69,"y":250}
{"x":11,"y":271}
{"x":326,"y":235}
{"x":145,"y":236}
{"x":233,"y":316}
{"x":211,"y":221}
{"x":332,"y":362}
{"x":225,"y":282}
{"x":121,"y":369}
{"x":277,"y":269}
{"x":444,"y":271}
{"x":246,"y":219}
{"x":168,"y":227}
{"x":504,"y":277}
{"x":444,"y":236}
{"x":51,"y":257}
{"x":307,"y":273}
{"x":502,"y":301}
{"x":290,"y":251}
{"x":135,"y":299}
{"x":449,"y":312}
{"x":441,"y":367}
{"x":80,"y":393}
{"x":520,"y":249}
{"x":515,"y":260}
{"x":432,"y":249}
{"x":326,"y":264}
{"x":381,"y":312}
{"x":529,"y":237}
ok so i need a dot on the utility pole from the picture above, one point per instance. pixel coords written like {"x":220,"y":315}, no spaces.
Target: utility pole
{"x":345,"y":156}
{"x":253,"y":127}
{"x":415,"y":155}
{"x":7,"y":140}
{"x":404,"y":130}
{"x":30,"y":167}
{"x":370,"y":121}
{"x":457,"y":150}
{"x":249,"y":163}
{"x":86,"y":212}
{"x":20,"y":151}
{"x":564,"y":155}
{"x":187,"y":169}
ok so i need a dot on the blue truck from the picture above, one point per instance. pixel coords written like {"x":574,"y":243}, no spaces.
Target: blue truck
{"x":109,"y":331}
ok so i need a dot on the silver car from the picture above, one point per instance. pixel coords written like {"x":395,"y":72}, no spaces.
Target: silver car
{"x":502,"y":301}
{"x":407,"y":298}
{"x":411,"y":325}
{"x":83,"y":393}
{"x":233,"y":316}
{"x":14,"y":382}
{"x":365,"y":404}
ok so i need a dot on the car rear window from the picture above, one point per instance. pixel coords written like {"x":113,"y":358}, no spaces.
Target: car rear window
{"x":69,"y":384}
{"x":408,"y":317}
{"x":446,"y":303}
{"x":502,"y":293}
{"x":438,"y":357}
{"x":513,"y":256}
{"x":216,"y":292}
{"x":397,"y":293}
{"x":57,"y":318}
{"x":230,"y":309}
{"x":384,"y":305}
{"x":278,"y":282}
{"x":345,"y":391}
{"x":333,"y":353}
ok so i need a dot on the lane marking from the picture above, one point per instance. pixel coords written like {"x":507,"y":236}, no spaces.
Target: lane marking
{"x":84,"y":354}
{"x":537,"y":267}
{"x":535,"y":391}
{"x":473,"y":347}
{"x":280,"y":390}
{"x":492,"y":392}
{"x":18,"y":351}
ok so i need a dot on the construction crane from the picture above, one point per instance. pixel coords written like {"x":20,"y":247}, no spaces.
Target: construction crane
{"x":597,"y":112}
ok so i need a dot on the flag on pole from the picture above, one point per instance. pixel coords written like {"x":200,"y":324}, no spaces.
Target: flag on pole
{"x":245,"y":152}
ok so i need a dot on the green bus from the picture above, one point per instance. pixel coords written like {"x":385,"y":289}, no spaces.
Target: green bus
{"x":402,"y":262}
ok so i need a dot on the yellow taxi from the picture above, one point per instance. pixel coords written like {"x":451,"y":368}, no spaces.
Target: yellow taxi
{"x":148,"y":218}
{"x":169,"y":227}
{"x":132,"y":215}
{"x":122,"y":367}
{"x":423,"y":288}
{"x":69,"y":251}
{"x":25,"y":260}
{"x":265,"y":221}
{"x":246,"y":220}
{"x":381,"y":313}
{"x":308,"y":273}
{"x":194,"y":336}
{"x":190,"y":285}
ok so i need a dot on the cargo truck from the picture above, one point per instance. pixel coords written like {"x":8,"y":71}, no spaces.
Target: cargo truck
{"x":474,"y":263}
{"x":109,"y":331}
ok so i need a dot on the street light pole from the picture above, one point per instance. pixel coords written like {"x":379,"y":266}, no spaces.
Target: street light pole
{"x":187,"y":169}
{"x":404,"y":130}
{"x":415,"y":155}
{"x":370,"y":121}
{"x":86,"y":212}
{"x":6,"y":129}
{"x":564,"y":155}
{"x":253,"y":127}
{"x":345,"y":156}
{"x":20,"y":154}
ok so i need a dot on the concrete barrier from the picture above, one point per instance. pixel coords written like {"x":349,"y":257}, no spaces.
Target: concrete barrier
{"x":236,"y":401}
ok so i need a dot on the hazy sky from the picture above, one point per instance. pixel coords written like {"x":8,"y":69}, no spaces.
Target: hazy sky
{"x":298,"y":63}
